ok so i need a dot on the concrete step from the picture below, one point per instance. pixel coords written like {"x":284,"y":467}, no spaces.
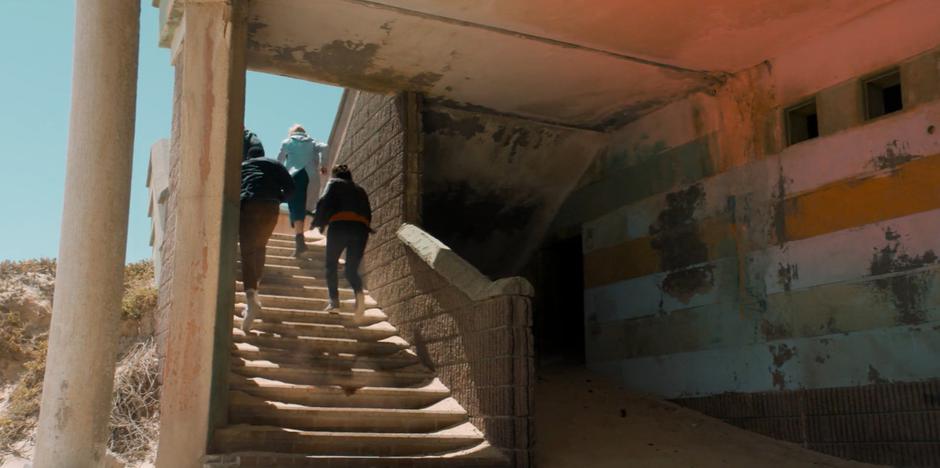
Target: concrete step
{"x":374,"y":332}
{"x":314,"y":251}
{"x":246,"y":409}
{"x":306,"y":270}
{"x":352,"y":378}
{"x":320,"y":361}
{"x":322,"y":345}
{"x":298,"y":278}
{"x":249,"y":437}
{"x":334,"y":396}
{"x":345,"y":317}
{"x":311,"y":236}
{"x":482,"y":455}
{"x":303,"y":303}
{"x":311,"y":263}
{"x":313,"y":245}
{"x":300,"y":290}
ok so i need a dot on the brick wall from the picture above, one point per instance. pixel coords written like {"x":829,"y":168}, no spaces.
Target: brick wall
{"x":481,"y":350}
{"x":886,"y":424}
{"x":169,"y":233}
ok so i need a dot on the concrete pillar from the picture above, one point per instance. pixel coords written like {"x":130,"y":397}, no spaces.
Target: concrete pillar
{"x":76,"y":398}
{"x":212,"y":65}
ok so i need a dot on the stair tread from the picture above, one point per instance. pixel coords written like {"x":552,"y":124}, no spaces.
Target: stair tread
{"x":480,"y":455}
{"x":248,"y":365}
{"x":302,"y":302}
{"x":434,"y":387}
{"x":350,"y":377}
{"x":243,"y":363}
{"x":318,"y":360}
{"x":462,"y":431}
{"x":447,"y":406}
{"x":280,"y":342}
{"x":374,"y":331}
{"x":316,"y":316}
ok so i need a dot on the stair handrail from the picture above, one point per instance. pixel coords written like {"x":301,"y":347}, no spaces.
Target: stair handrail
{"x":458,"y":271}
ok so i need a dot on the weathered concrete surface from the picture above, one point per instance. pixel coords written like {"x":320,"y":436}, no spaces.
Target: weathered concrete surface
{"x":499,"y":55}
{"x":76,"y":397}
{"x":610,"y":427}
{"x":213,"y":72}
{"x":729,"y":35}
{"x":718,"y":260}
{"x":492,"y":184}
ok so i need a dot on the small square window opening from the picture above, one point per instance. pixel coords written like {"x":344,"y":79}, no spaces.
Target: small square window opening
{"x":883,"y":95}
{"x":802,"y":122}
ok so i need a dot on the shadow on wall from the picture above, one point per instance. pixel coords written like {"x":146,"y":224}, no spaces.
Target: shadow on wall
{"x":492,"y":184}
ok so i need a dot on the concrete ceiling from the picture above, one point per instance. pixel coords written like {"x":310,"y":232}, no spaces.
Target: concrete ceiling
{"x":583,"y":63}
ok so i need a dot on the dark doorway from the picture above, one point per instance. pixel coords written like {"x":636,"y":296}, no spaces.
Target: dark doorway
{"x":558,"y":319}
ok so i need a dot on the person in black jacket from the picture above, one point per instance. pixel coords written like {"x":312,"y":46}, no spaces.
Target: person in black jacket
{"x":265,"y":184}
{"x":346,"y":215}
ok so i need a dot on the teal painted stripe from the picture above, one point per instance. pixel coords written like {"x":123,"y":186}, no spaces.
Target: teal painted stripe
{"x":874,"y":303}
{"x":676,"y":166}
{"x":899,"y":354}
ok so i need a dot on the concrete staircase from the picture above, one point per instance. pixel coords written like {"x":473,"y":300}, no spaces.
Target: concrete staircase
{"x":310,"y":388}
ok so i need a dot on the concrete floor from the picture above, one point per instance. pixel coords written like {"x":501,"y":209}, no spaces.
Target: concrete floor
{"x":583,"y":420}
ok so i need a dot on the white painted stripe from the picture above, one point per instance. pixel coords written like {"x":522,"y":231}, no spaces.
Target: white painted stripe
{"x":806,"y":167}
{"x":847,"y":255}
{"x":842,"y":256}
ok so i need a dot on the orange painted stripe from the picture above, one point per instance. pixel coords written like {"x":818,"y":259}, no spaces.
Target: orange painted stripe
{"x":637,"y":257}
{"x":912,"y":188}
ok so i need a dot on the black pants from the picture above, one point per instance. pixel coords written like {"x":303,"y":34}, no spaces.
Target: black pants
{"x":350,"y":236}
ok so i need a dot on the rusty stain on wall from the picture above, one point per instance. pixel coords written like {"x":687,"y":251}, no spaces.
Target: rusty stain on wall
{"x":677,"y":236}
{"x":786,"y":274}
{"x":907,"y":292}
{"x":896,"y":153}
{"x":781,"y":354}
{"x":778,"y":209}
{"x":774,"y":331}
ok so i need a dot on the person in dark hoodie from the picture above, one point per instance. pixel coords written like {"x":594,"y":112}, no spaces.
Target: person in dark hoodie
{"x":265,"y":184}
{"x":344,"y":211}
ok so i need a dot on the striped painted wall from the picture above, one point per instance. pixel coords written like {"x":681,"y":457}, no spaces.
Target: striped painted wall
{"x":717,"y":260}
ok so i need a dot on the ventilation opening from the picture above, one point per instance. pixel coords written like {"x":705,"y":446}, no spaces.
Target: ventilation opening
{"x":802,"y":122}
{"x":883,"y":95}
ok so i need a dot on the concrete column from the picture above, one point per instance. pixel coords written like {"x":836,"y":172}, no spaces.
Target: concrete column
{"x":76,"y":398}
{"x":212,"y":61}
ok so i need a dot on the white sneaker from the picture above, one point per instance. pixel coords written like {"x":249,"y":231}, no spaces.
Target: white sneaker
{"x":252,"y":309}
{"x":332,"y":307}
{"x":360,"y":305}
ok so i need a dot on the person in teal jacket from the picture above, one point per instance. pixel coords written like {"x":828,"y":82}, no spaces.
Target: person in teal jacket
{"x":304,"y":158}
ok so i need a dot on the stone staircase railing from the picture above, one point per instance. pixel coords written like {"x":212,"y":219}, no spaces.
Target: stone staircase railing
{"x":475,"y":333}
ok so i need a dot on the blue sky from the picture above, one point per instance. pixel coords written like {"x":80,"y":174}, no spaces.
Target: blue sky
{"x":35,"y":85}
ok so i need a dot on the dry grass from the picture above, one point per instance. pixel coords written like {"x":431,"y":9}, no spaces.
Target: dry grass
{"x":22,"y":409}
{"x":140,"y":295}
{"x":26,"y":290}
{"x":135,"y":410}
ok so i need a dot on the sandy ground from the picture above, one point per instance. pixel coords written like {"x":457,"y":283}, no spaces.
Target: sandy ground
{"x":16,"y":462}
{"x":583,"y":420}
